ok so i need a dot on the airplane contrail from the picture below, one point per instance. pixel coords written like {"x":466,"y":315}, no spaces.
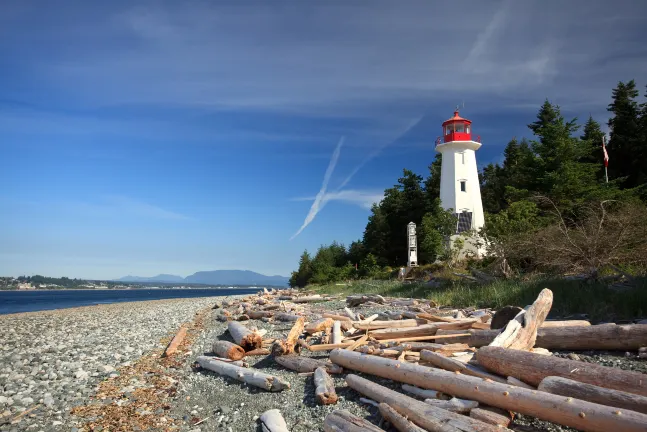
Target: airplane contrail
{"x":319,"y":201}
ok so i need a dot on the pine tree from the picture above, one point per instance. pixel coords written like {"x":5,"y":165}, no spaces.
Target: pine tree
{"x":432,"y":183}
{"x":627,"y":153}
{"x":592,"y":146}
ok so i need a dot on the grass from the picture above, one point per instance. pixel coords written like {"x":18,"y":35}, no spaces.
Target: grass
{"x":569,"y":297}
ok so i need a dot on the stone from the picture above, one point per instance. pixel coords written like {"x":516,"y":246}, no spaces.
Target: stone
{"x":573,"y":356}
{"x":81,"y":374}
{"x":48,"y":401}
{"x":27,"y":401}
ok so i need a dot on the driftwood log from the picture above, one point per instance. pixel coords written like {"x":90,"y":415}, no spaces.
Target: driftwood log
{"x":575,"y":413}
{"x":227,"y":350}
{"x":422,"y":414}
{"x":286,"y":317}
{"x":257,"y":352}
{"x":306,"y":364}
{"x":495,"y":416}
{"x":592,"y":393}
{"x":532,"y":368}
{"x":244,"y":337}
{"x":597,"y":337}
{"x":336,"y":332}
{"x":319,"y":325}
{"x":283,"y":347}
{"x":401,"y":423}
{"x":461,"y":406}
{"x":376,"y":325}
{"x":421,"y":330}
{"x":356,"y":300}
{"x":273,"y":421}
{"x":324,"y":387}
{"x":424,"y":393}
{"x":260,"y":314}
{"x":344,"y":421}
{"x":175,"y":342}
{"x":521,"y":332}
{"x":250,"y":376}
{"x":336,"y":317}
{"x":453,"y":365}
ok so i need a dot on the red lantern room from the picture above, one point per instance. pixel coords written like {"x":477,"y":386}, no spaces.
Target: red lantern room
{"x":457,"y":129}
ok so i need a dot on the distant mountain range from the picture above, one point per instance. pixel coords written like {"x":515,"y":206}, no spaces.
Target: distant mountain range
{"x":215,"y":277}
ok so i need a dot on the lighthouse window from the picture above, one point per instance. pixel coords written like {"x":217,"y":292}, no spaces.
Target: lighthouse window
{"x":467,"y":129}
{"x":463,"y":186}
{"x":463,"y":158}
{"x":460,"y":127}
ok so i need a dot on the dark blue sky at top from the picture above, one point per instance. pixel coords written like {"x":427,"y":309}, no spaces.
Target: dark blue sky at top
{"x":147,"y":137}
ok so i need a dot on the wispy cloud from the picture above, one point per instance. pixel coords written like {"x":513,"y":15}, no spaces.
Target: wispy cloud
{"x":362,"y":198}
{"x":319,"y":202}
{"x":127,"y":206}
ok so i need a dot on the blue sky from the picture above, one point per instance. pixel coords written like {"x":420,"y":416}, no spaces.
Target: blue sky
{"x":146,"y":137}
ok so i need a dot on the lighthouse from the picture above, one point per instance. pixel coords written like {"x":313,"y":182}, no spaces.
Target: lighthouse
{"x":459,"y":178}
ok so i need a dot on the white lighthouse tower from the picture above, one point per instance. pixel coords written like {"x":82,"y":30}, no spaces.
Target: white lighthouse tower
{"x":459,"y":178}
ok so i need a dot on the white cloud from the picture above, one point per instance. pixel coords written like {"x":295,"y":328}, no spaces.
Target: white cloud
{"x":362,"y":198}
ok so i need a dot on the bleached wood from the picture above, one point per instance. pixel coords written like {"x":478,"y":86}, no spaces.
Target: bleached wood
{"x":435,"y":318}
{"x":273,"y":421}
{"x":592,"y":393}
{"x":310,"y":299}
{"x":595,"y":337}
{"x":286,"y":317}
{"x":532,"y":368}
{"x":375,"y":325}
{"x":245,"y":338}
{"x":422,"y":338}
{"x":328,"y":347}
{"x":495,"y":416}
{"x":421,"y":330}
{"x":515,"y":382}
{"x":575,"y":413}
{"x":260,"y":314}
{"x":453,"y":365}
{"x":461,"y":406}
{"x":283,"y":347}
{"x":361,"y":341}
{"x":344,"y":421}
{"x":336,"y":317}
{"x":422,"y":414}
{"x":521,"y":332}
{"x":227,"y":350}
{"x":355,"y":300}
{"x":250,"y":376}
{"x":401,"y":423}
{"x":568,"y":323}
{"x":369,"y":319}
{"x":424,"y":393}
{"x":350,"y":314}
{"x":319,"y":325}
{"x":336,"y":332}
{"x":306,"y":364}
{"x":324,"y":387}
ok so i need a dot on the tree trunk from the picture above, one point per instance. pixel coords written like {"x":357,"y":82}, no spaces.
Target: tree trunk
{"x":597,"y":337}
{"x":491,"y":415}
{"x":344,"y":421}
{"x":273,"y":421}
{"x":375,"y":325}
{"x":521,"y":332}
{"x":250,"y":376}
{"x":306,"y":364}
{"x":452,"y":365}
{"x":245,"y":338}
{"x":227,"y":350}
{"x":336,"y":332}
{"x":422,"y":414}
{"x":320,"y":325}
{"x":324,"y":387}
{"x":592,"y":393}
{"x":579,"y":414}
{"x":532,"y":368}
{"x":421,"y":330}
{"x":283,"y":347}
{"x":401,"y":423}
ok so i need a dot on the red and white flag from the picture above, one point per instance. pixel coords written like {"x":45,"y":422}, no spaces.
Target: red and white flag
{"x":606,"y":155}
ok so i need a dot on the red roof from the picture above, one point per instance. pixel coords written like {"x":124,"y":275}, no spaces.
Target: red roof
{"x":456,"y":118}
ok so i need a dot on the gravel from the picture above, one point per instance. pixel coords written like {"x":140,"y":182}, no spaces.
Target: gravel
{"x":54,"y":360}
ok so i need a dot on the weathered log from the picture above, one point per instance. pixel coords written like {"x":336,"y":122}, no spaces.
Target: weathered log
{"x":575,"y":413}
{"x":175,"y":342}
{"x":401,"y":303}
{"x":319,"y":325}
{"x":422,"y":414}
{"x":401,"y":423}
{"x":350,"y":314}
{"x":361,"y":341}
{"x":423,"y":338}
{"x":286,"y":317}
{"x":273,"y":421}
{"x":243,"y":317}
{"x":515,"y":382}
{"x":260,"y":314}
{"x":328,"y":347}
{"x":324,"y":387}
{"x":257,"y":352}
{"x":425,"y":393}
{"x":240,"y":363}
{"x":310,"y":299}
{"x":283,"y":347}
{"x":435,"y":318}
{"x":245,"y":338}
{"x":306,"y":364}
{"x":592,"y":393}
{"x":492,"y":415}
{"x":369,"y":319}
{"x":532,"y":368}
{"x":336,"y":317}
{"x":595,"y":337}
{"x":461,"y":406}
{"x":421,"y":330}
{"x":344,"y":421}
{"x":356,"y":300}
{"x":336,"y":332}
{"x":567,"y":323}
{"x":453,"y":365}
{"x":250,"y":376}
{"x":227,"y":350}
{"x":375,"y":325}
{"x":521,"y":332}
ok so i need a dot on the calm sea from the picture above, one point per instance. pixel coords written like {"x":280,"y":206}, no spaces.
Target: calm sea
{"x":29,"y":301}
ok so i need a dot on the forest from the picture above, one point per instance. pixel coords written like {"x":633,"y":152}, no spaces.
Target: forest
{"x":548,"y":205}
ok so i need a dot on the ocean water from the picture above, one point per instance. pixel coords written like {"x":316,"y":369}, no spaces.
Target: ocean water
{"x":30,"y":301}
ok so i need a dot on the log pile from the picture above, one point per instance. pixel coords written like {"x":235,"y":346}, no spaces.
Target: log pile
{"x":466,"y":370}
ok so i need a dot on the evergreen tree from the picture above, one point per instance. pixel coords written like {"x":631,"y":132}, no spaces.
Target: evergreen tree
{"x":592,"y":146}
{"x":432,"y":183}
{"x":303,"y":275}
{"x":627,"y":153}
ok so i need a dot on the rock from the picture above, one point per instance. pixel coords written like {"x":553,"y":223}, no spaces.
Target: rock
{"x":106,"y":369}
{"x":81,"y":374}
{"x":48,"y":401}
{"x":573,"y":356}
{"x":3,"y":400}
{"x":27,"y":401}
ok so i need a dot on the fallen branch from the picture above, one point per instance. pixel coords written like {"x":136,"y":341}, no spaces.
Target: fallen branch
{"x":250,"y":376}
{"x":319,"y":325}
